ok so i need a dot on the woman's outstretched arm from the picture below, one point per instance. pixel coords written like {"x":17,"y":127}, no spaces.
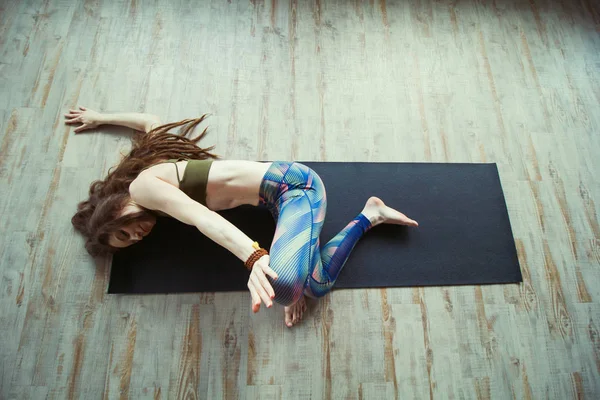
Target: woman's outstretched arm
{"x":152,"y":192}
{"x":91,"y":119}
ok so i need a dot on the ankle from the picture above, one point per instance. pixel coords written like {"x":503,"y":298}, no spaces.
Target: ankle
{"x":373,"y":217}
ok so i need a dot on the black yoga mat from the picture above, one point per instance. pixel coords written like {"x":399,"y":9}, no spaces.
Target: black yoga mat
{"x":464,"y":235}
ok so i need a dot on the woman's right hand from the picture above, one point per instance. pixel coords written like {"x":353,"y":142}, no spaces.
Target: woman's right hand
{"x":260,"y":288}
{"x":88,"y":118}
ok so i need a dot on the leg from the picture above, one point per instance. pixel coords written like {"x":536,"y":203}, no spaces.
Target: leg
{"x":292,"y":249}
{"x":336,"y":252}
{"x":296,"y":197}
{"x":334,"y":255}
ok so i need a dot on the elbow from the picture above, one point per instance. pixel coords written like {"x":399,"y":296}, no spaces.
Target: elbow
{"x":153,"y":123}
{"x":134,"y":189}
{"x":139,"y":188}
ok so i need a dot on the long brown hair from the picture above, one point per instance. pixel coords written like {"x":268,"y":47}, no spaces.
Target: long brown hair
{"x":98,"y":217}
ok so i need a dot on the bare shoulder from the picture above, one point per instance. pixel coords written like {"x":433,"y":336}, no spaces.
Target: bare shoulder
{"x":166,"y":171}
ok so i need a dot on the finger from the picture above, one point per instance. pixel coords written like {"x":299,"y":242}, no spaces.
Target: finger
{"x":261,"y":291}
{"x":267,"y":270}
{"x":70,"y":115}
{"x":264,"y":266}
{"x":255,"y":298}
{"x":75,"y":111}
{"x":83,"y":108}
{"x":265,"y":283}
{"x":70,"y":121}
{"x":81,"y":128}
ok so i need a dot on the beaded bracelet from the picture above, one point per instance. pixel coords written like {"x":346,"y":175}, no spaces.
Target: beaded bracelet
{"x":254,"y":257}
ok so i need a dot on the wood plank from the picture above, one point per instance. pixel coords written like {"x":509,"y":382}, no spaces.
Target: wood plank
{"x":510,"y":82}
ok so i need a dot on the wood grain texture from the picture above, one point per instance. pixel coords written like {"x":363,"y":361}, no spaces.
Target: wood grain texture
{"x":508,"y":81}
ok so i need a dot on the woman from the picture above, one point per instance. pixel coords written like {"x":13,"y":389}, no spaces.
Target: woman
{"x":168,"y":174}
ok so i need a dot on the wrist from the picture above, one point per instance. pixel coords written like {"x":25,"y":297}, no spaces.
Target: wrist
{"x":256,"y":255}
{"x":103,"y":119}
{"x":245,"y":250}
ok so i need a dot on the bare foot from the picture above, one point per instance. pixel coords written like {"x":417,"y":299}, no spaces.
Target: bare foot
{"x":379,"y":213}
{"x":293,"y":313}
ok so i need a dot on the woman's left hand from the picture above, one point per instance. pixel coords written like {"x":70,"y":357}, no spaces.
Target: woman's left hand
{"x":260,"y":288}
{"x":87,"y":118}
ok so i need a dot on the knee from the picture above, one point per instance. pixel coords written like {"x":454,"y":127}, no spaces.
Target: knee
{"x":288,"y":290}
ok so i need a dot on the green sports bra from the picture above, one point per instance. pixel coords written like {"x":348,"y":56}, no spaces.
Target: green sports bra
{"x":195,"y":178}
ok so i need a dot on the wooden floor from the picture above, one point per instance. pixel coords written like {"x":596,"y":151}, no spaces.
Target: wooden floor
{"x":514,"y":82}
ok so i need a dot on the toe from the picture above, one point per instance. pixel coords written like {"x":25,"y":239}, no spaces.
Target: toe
{"x":288,"y":317}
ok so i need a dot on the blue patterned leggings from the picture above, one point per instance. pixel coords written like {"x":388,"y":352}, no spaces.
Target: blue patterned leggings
{"x":295,"y":196}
